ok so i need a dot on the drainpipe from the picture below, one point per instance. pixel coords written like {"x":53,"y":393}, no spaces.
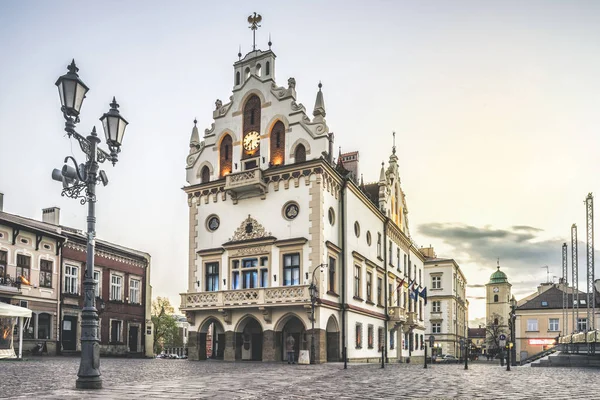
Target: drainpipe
{"x":60,"y":296}
{"x":343,"y":242}
{"x":385,"y":292}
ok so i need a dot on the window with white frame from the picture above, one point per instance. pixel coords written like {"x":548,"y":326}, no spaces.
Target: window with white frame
{"x":532,"y":325}
{"x":436,"y":282}
{"x":116,"y":331}
{"x":582,"y":324}
{"x":134,"y":291}
{"x":97,"y":281}
{"x":116,"y":287}
{"x":436,"y":306}
{"x":71,"y":279}
{"x":553,"y":324}
{"x":436,"y":327}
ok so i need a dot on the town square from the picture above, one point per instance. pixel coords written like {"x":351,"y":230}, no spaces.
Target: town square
{"x":315,"y":200}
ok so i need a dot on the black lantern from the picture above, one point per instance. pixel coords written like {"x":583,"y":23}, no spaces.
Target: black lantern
{"x":312,"y":289}
{"x":114,"y":126}
{"x":72,"y":91}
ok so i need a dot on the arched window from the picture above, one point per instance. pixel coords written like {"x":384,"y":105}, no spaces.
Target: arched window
{"x":277,"y":140}
{"x":267,"y":68}
{"x":251,"y":123}
{"x":300,"y":153}
{"x":225,"y":156}
{"x":205,"y":175}
{"x":258,"y":70}
{"x":237,"y":78}
{"x":247,"y":72}
{"x":495,"y":298}
{"x":495,"y":321}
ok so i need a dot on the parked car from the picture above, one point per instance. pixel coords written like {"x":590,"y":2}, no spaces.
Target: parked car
{"x":448,"y":359}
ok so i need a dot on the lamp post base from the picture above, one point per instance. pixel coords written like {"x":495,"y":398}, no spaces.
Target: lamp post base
{"x":89,"y":383}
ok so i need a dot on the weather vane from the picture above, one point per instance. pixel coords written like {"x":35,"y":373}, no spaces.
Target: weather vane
{"x":254,"y":21}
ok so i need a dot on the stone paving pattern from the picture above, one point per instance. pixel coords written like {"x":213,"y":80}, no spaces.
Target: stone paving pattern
{"x":54,"y":378}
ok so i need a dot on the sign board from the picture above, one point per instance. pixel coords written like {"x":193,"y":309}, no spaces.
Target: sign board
{"x":431,"y":340}
{"x":303,"y":357}
{"x":502,"y":336}
{"x":542,"y":342}
{"x":502,"y":343}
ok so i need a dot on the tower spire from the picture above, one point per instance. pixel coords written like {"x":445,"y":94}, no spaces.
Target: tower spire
{"x":394,"y":145}
{"x":319,"y":111}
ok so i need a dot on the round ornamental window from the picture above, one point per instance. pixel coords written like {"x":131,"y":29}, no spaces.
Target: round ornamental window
{"x":212,"y":223}
{"x":368,"y":238}
{"x":331,"y":216}
{"x":357,"y":229}
{"x":291,"y":210}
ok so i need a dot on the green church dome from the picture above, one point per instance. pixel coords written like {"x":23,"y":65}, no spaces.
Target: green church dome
{"x":498,"y":277}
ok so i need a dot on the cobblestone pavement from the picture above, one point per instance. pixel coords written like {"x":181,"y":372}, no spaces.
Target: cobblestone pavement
{"x":54,"y":378}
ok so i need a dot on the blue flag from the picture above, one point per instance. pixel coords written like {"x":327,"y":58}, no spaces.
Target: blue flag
{"x":423,"y":294}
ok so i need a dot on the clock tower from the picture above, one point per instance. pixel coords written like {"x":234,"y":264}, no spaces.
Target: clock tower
{"x":498,"y":297}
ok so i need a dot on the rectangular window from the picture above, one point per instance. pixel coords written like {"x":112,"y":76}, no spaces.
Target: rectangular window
{"x":71,"y":279}
{"x":369,"y":283}
{"x":392,"y":334}
{"x":390,"y":261}
{"x":398,"y":260}
{"x":23,"y":266}
{"x":134,"y":291}
{"x":116,"y":284}
{"x":235,"y":280}
{"x":436,"y":327}
{"x":97,"y":288}
{"x":291,"y":269}
{"x":553,"y":324}
{"x":3,"y":264}
{"x":582,"y":324}
{"x":436,"y":306}
{"x":379,"y":245}
{"x":356,"y":281}
{"x":249,"y":279}
{"x":212,"y":277}
{"x":420,"y":283}
{"x":379,"y":339}
{"x":332,"y":274}
{"x":264,"y":277}
{"x":405,"y":265}
{"x":379,"y":291}
{"x":358,"y":336}
{"x":45,"y":273}
{"x":436,"y":282}
{"x":390,"y":294}
{"x":116,"y":331}
{"x":370,"y":336}
{"x":409,"y":269}
{"x":532,"y":325}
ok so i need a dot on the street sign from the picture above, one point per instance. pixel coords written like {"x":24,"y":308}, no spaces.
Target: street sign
{"x":502,"y":336}
{"x":502,"y":343}
{"x":431,"y":340}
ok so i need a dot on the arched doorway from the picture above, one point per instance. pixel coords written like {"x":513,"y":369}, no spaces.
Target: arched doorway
{"x":211,"y":340}
{"x":292,"y":325}
{"x":249,"y":340}
{"x":333,"y":340}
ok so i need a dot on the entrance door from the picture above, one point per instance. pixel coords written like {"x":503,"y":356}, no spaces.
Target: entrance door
{"x":256,"y":346}
{"x":220,"y":345}
{"x":69,"y":333}
{"x":333,"y":341}
{"x":133,"y":338}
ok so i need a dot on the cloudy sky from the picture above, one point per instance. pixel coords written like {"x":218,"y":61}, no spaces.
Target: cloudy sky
{"x":495,"y":105}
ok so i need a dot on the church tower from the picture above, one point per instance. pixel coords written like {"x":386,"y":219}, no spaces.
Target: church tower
{"x":498,"y":295}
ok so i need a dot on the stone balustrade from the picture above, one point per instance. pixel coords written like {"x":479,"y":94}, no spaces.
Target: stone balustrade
{"x":246,"y":297}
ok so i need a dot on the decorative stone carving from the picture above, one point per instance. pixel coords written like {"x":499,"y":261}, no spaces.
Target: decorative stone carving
{"x":226,"y":315}
{"x":292,"y":83}
{"x":247,"y":251}
{"x":249,"y":229}
{"x":218,"y":104}
{"x":267,"y":314}
{"x":210,"y":130}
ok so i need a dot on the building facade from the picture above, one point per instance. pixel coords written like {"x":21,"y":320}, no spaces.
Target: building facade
{"x":30,"y":254}
{"x":447,"y":308}
{"x":270,"y":213}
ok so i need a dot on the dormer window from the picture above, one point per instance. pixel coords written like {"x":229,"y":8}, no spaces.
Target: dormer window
{"x":258,"y":70}
{"x":544,"y":304}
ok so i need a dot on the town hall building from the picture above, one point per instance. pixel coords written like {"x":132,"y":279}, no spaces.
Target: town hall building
{"x":273,"y":215}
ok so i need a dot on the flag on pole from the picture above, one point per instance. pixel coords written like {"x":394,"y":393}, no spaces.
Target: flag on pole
{"x":423,"y":294}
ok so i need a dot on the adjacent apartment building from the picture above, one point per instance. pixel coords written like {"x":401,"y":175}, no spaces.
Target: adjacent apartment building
{"x":42,"y":266}
{"x":447,"y":304}
{"x":271,"y":213}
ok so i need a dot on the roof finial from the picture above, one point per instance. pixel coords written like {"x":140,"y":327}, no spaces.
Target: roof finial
{"x":394,"y":146}
{"x":270,"y":43}
{"x":254,"y":21}
{"x":498,"y":263}
{"x":240,"y":53}
{"x":195,"y":121}
{"x":319,"y":111}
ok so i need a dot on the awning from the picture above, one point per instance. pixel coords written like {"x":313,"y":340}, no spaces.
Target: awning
{"x":7,"y":310}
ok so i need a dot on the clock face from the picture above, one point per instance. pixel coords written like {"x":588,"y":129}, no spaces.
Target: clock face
{"x":251,"y":140}
{"x":496,"y":289}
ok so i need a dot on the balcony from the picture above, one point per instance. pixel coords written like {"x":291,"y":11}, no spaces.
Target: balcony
{"x":246,"y":184}
{"x":9,"y":286}
{"x":257,"y":297}
{"x":397,"y":314}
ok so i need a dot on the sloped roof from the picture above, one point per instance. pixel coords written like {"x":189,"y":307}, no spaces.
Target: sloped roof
{"x":37,"y":226}
{"x":372,"y":192}
{"x":552,"y":299}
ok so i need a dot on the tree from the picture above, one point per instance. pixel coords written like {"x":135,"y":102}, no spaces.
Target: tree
{"x":165,"y":323}
{"x":493,"y":329}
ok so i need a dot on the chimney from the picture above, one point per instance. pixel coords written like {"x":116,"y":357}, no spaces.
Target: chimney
{"x":1,"y":201}
{"x":51,"y":215}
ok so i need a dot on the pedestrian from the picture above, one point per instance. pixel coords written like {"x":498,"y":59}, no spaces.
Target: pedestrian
{"x":289,"y":344}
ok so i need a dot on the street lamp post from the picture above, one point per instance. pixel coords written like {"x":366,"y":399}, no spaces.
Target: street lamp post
{"x":512,"y":320}
{"x":79,"y":182}
{"x":314,"y":294}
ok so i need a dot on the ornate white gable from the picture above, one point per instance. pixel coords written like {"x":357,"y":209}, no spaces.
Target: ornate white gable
{"x":249,"y":229}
